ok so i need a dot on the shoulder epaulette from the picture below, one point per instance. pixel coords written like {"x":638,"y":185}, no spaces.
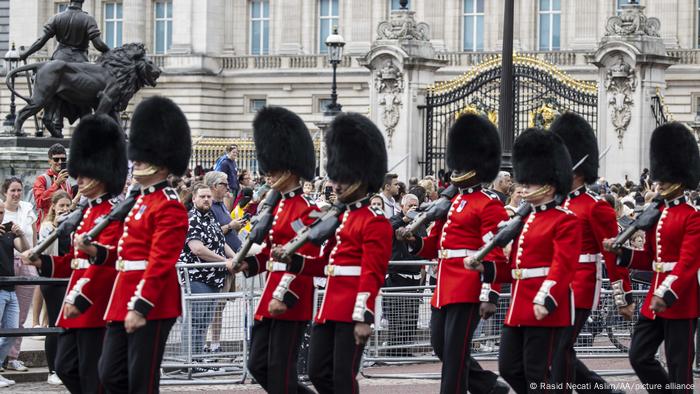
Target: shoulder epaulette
{"x":566,"y":211}
{"x":171,"y":194}
{"x":490,"y":194}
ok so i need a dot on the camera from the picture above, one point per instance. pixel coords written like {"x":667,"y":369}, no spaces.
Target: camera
{"x":327,"y":192}
{"x":7,"y":227}
{"x":64,"y":165}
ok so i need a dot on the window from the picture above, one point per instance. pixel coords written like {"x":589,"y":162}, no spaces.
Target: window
{"x":60,"y":7}
{"x":695,"y":97}
{"x":550,"y":24}
{"x":322,"y":104}
{"x":328,"y":18}
{"x":256,"y":104}
{"x":259,"y":27}
{"x":473,"y":25}
{"x":113,"y":24}
{"x":163,"y":31}
{"x":698,"y":23}
{"x":619,"y":4}
{"x":396,"y":5}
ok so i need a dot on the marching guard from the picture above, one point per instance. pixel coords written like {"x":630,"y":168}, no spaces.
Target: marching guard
{"x":542,"y":262}
{"x":145,"y":300}
{"x":286,"y":154}
{"x":672,"y":250}
{"x":598,"y":222}
{"x":358,"y":257}
{"x":98,"y":162}
{"x":474,"y":156}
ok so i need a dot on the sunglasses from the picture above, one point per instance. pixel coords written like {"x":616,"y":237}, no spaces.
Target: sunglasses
{"x":58,"y":159}
{"x":222,"y":184}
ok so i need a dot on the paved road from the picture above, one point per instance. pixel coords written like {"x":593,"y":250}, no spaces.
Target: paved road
{"x":372,"y":383}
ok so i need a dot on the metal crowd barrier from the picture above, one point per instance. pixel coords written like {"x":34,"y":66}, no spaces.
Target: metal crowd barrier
{"x":30,"y":281}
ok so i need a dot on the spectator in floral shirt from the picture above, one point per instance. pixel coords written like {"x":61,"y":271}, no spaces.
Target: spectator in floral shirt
{"x":204,"y":243}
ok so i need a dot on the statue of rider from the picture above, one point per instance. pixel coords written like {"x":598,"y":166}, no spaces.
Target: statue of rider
{"x":74,"y":29}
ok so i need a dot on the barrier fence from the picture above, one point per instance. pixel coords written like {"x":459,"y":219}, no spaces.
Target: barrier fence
{"x":401,"y":334}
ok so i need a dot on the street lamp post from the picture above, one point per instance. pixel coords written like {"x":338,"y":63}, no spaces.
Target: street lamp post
{"x":11,"y":62}
{"x":335,"y":44}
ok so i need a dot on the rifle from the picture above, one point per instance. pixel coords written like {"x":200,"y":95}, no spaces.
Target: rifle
{"x":506,"y":232}
{"x":644,"y":221}
{"x":261,"y":224}
{"x":68,"y":224}
{"x":117,"y":214}
{"x":433,"y":211}
{"x":317,"y":232}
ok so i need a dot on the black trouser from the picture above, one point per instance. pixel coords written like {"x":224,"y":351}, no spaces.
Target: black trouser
{"x":274,"y":351}
{"x":677,"y":336}
{"x":401,"y":313}
{"x":525,"y":356}
{"x":76,"y":361}
{"x":334,"y":358}
{"x":569,"y":369}
{"x":451,"y":331}
{"x":53,"y":296}
{"x":130,"y":363}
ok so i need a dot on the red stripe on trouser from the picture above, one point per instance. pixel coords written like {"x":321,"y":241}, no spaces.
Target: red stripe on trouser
{"x":151,"y":379}
{"x":352,"y":370}
{"x":549,"y":356}
{"x":689,"y":377}
{"x":464,"y":351}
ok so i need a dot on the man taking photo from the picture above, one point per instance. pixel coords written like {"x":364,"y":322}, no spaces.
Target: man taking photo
{"x":55,"y":179}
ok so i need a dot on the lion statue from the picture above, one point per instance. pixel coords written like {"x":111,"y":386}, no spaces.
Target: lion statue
{"x":74,"y":90}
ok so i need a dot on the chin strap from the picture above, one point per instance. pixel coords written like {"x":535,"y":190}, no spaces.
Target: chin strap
{"x":671,"y":190}
{"x":148,"y":171}
{"x":350,"y":190}
{"x":87,"y":189}
{"x":462,"y":178}
{"x":538,"y":193}
{"x":285,"y":176}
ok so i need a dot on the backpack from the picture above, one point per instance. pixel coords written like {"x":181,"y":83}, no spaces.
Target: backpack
{"x":30,"y":196}
{"x":217,"y":165}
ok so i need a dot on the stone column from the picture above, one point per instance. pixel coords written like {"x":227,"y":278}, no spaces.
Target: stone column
{"x":229,"y":21}
{"x":357,"y":24}
{"x":289,"y":23}
{"x":584,"y":19}
{"x":134,"y":23}
{"x":631,"y":65}
{"x":183,"y":18}
{"x":403,"y":63}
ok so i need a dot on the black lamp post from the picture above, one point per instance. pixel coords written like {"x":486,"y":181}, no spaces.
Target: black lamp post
{"x":11,"y":63}
{"x":335,"y":44}
{"x":125,"y":119}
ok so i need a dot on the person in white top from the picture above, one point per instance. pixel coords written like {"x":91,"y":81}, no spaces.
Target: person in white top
{"x":390,"y":189}
{"x":21,"y":213}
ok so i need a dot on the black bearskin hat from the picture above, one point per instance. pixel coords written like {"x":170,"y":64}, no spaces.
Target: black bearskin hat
{"x":98,"y":151}
{"x":473,"y":143}
{"x":160,"y":135}
{"x":580,"y":140}
{"x":674,"y":155}
{"x":282,"y":142}
{"x":540,"y":158}
{"x":356,"y":151}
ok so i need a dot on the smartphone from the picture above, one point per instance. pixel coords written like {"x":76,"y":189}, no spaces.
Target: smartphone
{"x":64,"y":165}
{"x":7,"y":227}
{"x":246,"y":216}
{"x":327,"y":192}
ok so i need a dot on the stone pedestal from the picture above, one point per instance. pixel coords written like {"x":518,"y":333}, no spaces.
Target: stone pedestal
{"x":403,"y":63}
{"x":631,"y":61}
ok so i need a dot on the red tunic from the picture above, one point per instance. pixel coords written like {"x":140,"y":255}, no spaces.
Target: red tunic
{"x":299,"y":294}
{"x":362,"y":240}
{"x":598,"y":222}
{"x":86,"y":288}
{"x":672,"y":250}
{"x":154,"y":232}
{"x":550,"y":240}
{"x":472,"y":220}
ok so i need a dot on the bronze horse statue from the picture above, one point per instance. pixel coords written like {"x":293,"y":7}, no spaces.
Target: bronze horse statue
{"x":78,"y":89}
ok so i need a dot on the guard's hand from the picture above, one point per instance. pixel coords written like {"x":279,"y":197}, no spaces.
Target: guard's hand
{"x":79,"y":242}
{"x":608,"y":246}
{"x":277,"y":255}
{"x":27,"y":259}
{"x":404,"y":235}
{"x":540,"y":311}
{"x":362,"y":333}
{"x":276,"y":307}
{"x":472,"y":264}
{"x":133,"y":322}
{"x":70,"y":311}
{"x":627,"y":312}
{"x":234,"y":269}
{"x":657,"y":304}
{"x":61,"y":177}
{"x":486,"y":310}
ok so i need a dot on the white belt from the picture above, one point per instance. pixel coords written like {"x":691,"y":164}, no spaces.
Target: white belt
{"x":664,"y":267}
{"x":338,"y":270}
{"x":527,"y":273}
{"x":589,"y":258}
{"x":80,"y":264}
{"x":455,"y":253}
{"x":274,"y":266}
{"x":131,"y":265}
